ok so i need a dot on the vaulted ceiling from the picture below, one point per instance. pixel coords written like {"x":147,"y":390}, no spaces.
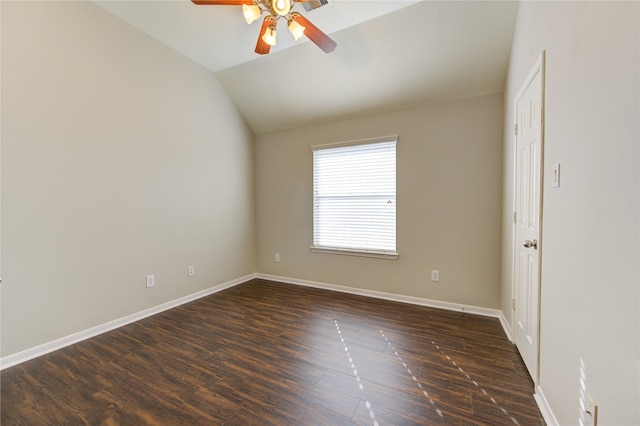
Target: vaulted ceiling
{"x":391,"y":55}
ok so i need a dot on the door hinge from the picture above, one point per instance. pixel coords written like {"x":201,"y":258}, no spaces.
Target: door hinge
{"x":515,"y":217}
{"x":513,"y":304}
{"x":515,"y":129}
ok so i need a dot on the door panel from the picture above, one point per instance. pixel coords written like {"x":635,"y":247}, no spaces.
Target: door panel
{"x":527,"y":201}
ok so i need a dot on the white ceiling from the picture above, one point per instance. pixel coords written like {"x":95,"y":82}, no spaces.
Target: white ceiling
{"x":390,"y":55}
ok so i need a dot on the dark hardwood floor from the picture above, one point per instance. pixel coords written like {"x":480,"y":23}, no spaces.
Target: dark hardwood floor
{"x":265,"y":353}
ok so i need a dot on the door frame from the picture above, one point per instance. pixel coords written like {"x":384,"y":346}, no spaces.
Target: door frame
{"x":538,"y":67}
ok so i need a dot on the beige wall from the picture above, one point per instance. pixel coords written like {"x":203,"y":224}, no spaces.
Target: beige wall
{"x":590,"y":242}
{"x":449,"y":196}
{"x":120,"y":158}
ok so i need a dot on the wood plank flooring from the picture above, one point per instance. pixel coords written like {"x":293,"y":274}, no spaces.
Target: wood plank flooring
{"x":266,"y":353}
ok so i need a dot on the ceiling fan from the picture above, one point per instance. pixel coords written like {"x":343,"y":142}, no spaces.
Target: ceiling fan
{"x":298,"y":25}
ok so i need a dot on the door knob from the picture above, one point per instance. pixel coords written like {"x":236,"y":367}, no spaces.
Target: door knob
{"x":529,"y":244}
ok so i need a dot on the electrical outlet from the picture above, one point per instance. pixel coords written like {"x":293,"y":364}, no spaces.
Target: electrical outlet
{"x":435,"y":275}
{"x":276,"y":258}
{"x":192,"y":270}
{"x":151,"y":281}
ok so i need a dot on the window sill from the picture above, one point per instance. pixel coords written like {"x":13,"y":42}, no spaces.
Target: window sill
{"x":353,"y":252}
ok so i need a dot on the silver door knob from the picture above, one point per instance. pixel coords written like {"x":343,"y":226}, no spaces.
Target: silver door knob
{"x":529,"y":244}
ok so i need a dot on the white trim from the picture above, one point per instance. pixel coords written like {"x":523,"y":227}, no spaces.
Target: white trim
{"x":356,"y":252}
{"x":505,"y":326}
{"x":469,"y":309}
{"x":26,"y":355}
{"x":390,"y":138}
{"x":545,"y":408}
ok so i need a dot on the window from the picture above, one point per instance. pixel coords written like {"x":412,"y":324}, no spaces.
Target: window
{"x":354,"y":198}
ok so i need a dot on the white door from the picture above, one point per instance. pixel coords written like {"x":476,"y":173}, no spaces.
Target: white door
{"x":527,"y":217}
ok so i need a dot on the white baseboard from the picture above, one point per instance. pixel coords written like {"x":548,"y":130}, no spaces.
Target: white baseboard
{"x":545,"y":408}
{"x":505,"y":326}
{"x":487,"y":312}
{"x":46,"y":348}
{"x":54,"y":345}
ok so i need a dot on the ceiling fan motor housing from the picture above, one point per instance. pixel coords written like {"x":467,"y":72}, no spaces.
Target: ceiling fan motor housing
{"x":314,"y":4}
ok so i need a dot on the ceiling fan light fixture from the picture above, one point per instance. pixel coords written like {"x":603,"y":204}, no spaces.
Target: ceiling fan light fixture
{"x":296,"y":29}
{"x":269,"y":36}
{"x":281,"y":7}
{"x":298,"y":24}
{"x":251,"y":12}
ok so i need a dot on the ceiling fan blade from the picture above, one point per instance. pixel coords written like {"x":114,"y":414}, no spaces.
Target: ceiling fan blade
{"x":314,"y":34}
{"x":221,"y":2}
{"x":263,"y":48}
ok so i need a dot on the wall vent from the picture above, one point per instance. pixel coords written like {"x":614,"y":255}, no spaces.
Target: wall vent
{"x":314,"y":4}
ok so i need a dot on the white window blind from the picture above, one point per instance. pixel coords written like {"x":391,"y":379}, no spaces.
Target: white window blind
{"x":354,"y":197}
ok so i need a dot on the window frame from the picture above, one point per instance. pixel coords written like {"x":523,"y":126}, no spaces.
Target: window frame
{"x":381,"y":254}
